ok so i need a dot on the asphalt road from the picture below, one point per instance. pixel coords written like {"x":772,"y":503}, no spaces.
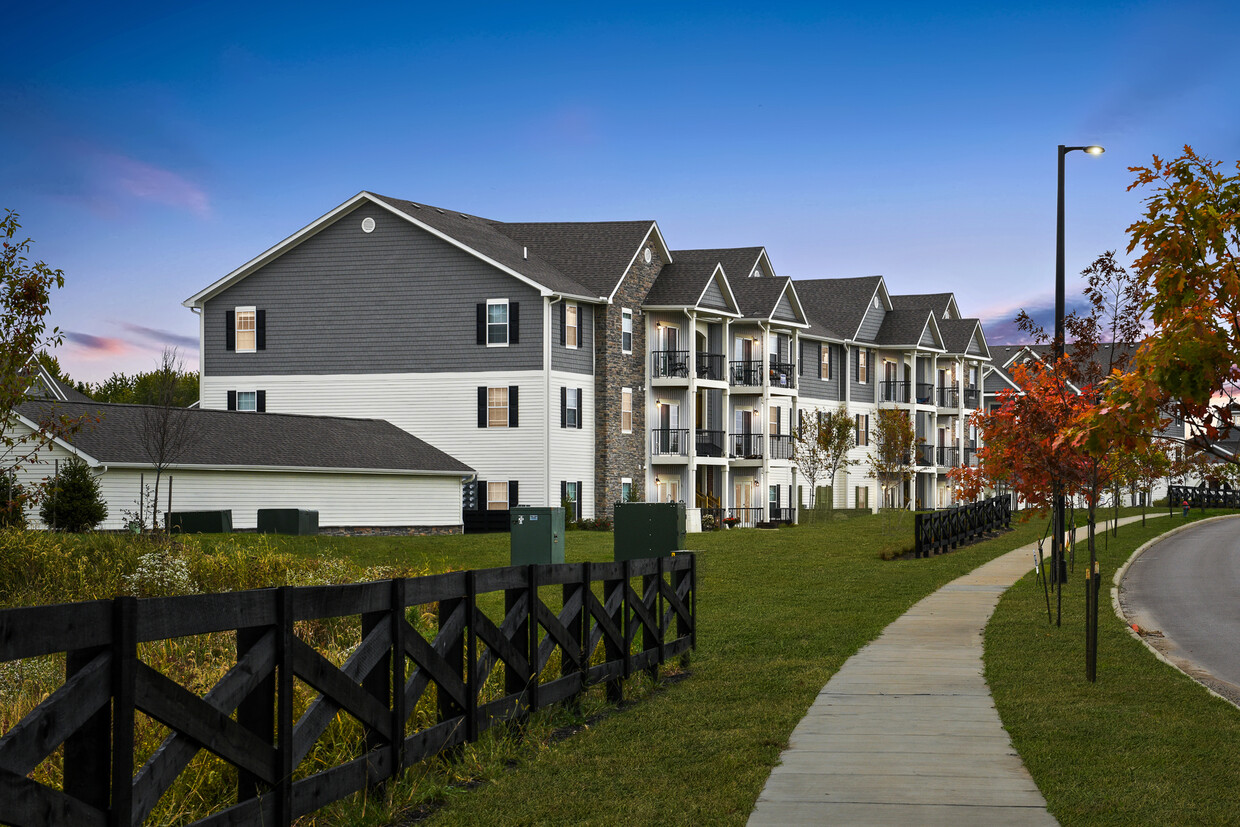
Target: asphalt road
{"x":1188,"y":588}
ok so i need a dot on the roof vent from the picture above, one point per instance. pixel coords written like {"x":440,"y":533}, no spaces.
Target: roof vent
{"x":525,"y":252}
{"x":368,"y":225}
{"x":441,"y":212}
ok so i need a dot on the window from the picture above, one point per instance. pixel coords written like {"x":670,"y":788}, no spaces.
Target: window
{"x":254,"y":401}
{"x":570,"y":407}
{"x":497,"y":323}
{"x":972,"y":377}
{"x":497,"y":496}
{"x":824,"y":365}
{"x":626,"y":330}
{"x":626,"y":489}
{"x":863,"y":365}
{"x":247,"y":329}
{"x":863,"y":429}
{"x":774,"y":416}
{"x":572,"y":333}
{"x":626,"y":410}
{"x":570,"y":500}
{"x":863,"y":497}
{"x":497,"y":407}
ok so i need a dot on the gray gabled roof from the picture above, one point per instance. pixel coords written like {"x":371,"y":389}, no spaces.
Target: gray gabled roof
{"x":904,"y":328}
{"x":594,"y":253}
{"x":836,"y":307}
{"x":683,"y":282}
{"x":958,"y":333}
{"x":939,"y":303}
{"x":226,"y":439}
{"x":758,"y":297}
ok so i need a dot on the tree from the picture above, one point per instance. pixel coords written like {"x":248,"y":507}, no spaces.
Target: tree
{"x":891,"y":455}
{"x":73,"y":502}
{"x":25,"y":298}
{"x":820,"y":446}
{"x":1189,"y":264}
{"x":168,"y":429}
{"x":145,"y":388}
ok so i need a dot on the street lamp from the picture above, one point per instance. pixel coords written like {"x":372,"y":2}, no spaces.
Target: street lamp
{"x":1057,"y":545}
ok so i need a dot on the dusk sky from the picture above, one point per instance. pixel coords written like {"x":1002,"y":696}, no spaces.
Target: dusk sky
{"x":150,"y":151}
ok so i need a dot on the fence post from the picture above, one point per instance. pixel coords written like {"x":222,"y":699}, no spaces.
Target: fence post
{"x":616,"y":651}
{"x":124,"y":676}
{"x":917,"y":545}
{"x":471,"y":645}
{"x":576,"y":630}
{"x":532,"y":627}
{"x":257,"y":710}
{"x":284,"y":705}
{"x":399,"y":712}
{"x":378,"y":681}
{"x":660,"y":617}
{"x":88,"y":752}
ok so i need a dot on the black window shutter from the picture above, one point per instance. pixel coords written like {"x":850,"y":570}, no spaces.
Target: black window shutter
{"x":512,"y":406}
{"x":564,"y":496}
{"x":563,"y":323}
{"x":577,"y":504}
{"x":232,"y":400}
{"x":260,"y":401}
{"x":779,"y":418}
{"x":513,"y":498}
{"x":480,"y":495}
{"x":230,"y":334}
{"x":563,"y":407}
{"x":514,"y":322}
{"x":581,"y":406}
{"x":482,"y":323}
{"x":260,"y":330}
{"x":482,"y":407}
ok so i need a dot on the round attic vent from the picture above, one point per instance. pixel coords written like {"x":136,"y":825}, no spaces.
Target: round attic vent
{"x":647,"y":255}
{"x":368,"y":225}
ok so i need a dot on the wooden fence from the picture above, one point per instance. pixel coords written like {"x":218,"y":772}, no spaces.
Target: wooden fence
{"x":1202,"y":497}
{"x":92,"y":713}
{"x":938,"y":531}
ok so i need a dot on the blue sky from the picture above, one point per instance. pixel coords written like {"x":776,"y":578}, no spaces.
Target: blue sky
{"x":152,"y":149}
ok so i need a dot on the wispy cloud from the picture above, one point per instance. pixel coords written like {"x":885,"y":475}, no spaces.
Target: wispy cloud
{"x":162,"y":337}
{"x":148,"y":182}
{"x":89,"y":346}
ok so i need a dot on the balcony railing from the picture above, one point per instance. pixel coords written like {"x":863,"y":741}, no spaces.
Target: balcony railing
{"x":669,"y":442}
{"x":710,"y":366}
{"x":709,"y":443}
{"x":948,"y":456}
{"x":747,"y":446}
{"x":745,"y":517}
{"x":924,"y":393}
{"x":712,"y":517}
{"x":924,"y":454}
{"x":745,"y":373}
{"x":970,"y":397}
{"x":949,"y":397}
{"x":970,"y":457}
{"x":781,"y":446}
{"x":778,"y":514}
{"x":673,"y":363}
{"x":783,"y":375}
{"x":893,"y":390}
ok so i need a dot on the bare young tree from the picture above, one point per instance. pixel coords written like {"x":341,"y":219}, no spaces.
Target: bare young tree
{"x":168,"y":430}
{"x":820,"y":446}
{"x":891,"y":456}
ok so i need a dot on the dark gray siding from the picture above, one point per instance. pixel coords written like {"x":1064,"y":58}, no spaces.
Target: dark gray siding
{"x":784,"y":310}
{"x":857,"y":391}
{"x":975,"y":347}
{"x":397,"y":300}
{"x":927,"y":338}
{"x":714,"y":339}
{"x":810,"y":385}
{"x":871,"y":323}
{"x":713,"y":297}
{"x":564,"y":358}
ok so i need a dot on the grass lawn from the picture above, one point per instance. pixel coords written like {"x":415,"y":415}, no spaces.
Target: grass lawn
{"x":1144,"y":745}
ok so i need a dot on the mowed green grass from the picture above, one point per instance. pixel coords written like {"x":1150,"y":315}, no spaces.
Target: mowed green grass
{"x":1143,"y":745}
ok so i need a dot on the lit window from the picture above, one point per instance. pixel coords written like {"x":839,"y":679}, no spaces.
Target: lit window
{"x":626,"y":331}
{"x":246,"y":327}
{"x":497,"y":408}
{"x":863,"y":429}
{"x":863,"y":365}
{"x":863,"y":497}
{"x":571,"y":332}
{"x":247,"y":400}
{"x":497,"y":323}
{"x":825,"y":367}
{"x":626,"y":410}
{"x":497,"y":496}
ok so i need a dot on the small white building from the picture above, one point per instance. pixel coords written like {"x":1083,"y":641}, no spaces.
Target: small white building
{"x":360,"y":474}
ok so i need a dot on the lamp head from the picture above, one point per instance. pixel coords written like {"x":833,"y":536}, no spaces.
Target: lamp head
{"x":1094,"y":150}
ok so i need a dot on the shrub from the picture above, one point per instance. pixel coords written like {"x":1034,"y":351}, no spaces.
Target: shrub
{"x":597,"y":524}
{"x":12,"y":504}
{"x":72,"y":501}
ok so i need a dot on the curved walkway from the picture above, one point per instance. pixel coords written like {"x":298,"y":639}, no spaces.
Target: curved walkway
{"x":906,"y":732}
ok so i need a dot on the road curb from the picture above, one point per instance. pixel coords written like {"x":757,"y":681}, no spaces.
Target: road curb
{"x":1117,"y":583}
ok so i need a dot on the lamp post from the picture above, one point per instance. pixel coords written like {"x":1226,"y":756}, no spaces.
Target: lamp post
{"x":1058,"y":558}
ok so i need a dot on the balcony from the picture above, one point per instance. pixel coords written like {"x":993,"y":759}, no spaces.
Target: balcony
{"x":776,"y":514}
{"x":745,"y":374}
{"x":924,"y":455}
{"x":746,"y":446}
{"x":673,"y":364}
{"x":783,"y":375}
{"x":669,"y":442}
{"x":709,"y":443}
{"x":893,"y":391}
{"x":949,"y":397}
{"x":947,"y":456}
{"x":744,"y":517}
{"x":710,"y":366}
{"x":924,"y":393}
{"x":781,"y":446}
{"x":971,"y":397}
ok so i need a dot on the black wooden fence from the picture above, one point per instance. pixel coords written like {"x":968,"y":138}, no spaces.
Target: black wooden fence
{"x":938,"y":531}
{"x":1202,"y":497}
{"x":92,"y":713}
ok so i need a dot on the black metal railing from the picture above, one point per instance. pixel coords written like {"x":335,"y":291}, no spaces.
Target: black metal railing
{"x":923,"y":393}
{"x":938,"y":531}
{"x":672,"y":442}
{"x":970,"y":397}
{"x":783,"y":374}
{"x":712,"y":517}
{"x":893,"y":390}
{"x":947,"y":456}
{"x":924,"y":454}
{"x":669,"y":363}
{"x":710,"y":443}
{"x":710,"y":366}
{"x":949,"y":397}
{"x":779,"y":514}
{"x":781,"y":446}
{"x":746,"y":374}
{"x":744,"y":517}
{"x":1202,"y":497}
{"x":746,"y":446}
{"x":970,"y":457}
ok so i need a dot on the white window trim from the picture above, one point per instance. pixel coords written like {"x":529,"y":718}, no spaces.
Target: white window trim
{"x":488,"y":499}
{"x":824,"y":360}
{"x":863,"y":366}
{"x":622,"y":392}
{"x":507,"y":407}
{"x":570,"y":342}
{"x":573,"y":405}
{"x":237,"y":311}
{"x":247,"y":410}
{"x":507,"y":322}
{"x":623,"y":482}
{"x":626,"y":313}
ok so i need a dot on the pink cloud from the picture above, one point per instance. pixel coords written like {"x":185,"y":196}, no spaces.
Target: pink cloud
{"x":151,"y":183}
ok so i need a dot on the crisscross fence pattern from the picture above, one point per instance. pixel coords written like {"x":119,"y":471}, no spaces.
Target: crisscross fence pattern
{"x":1202,"y":497}
{"x":602,"y":627}
{"x":939,"y":531}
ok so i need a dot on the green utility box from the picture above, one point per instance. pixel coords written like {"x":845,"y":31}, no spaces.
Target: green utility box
{"x":288,"y":521}
{"x":537,"y":535}
{"x":200,"y":522}
{"x":649,"y":529}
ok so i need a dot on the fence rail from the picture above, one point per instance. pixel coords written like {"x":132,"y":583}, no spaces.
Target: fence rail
{"x":938,"y":531}
{"x":1202,"y":497}
{"x":107,"y":683}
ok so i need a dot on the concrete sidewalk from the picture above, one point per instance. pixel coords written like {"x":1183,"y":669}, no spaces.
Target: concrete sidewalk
{"x":906,"y":732}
